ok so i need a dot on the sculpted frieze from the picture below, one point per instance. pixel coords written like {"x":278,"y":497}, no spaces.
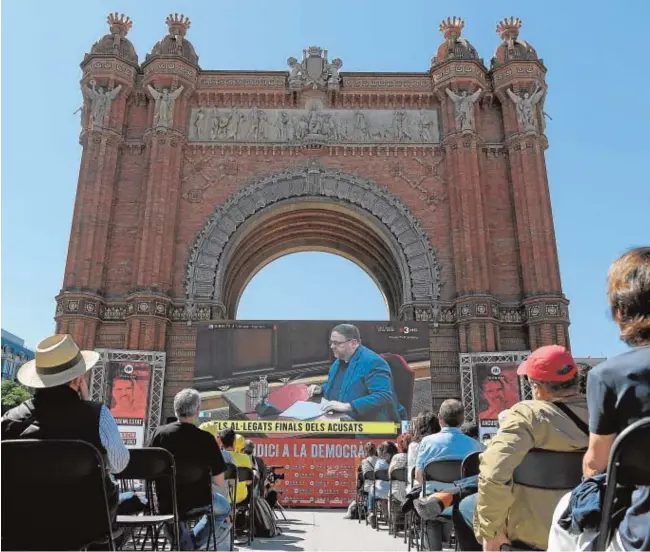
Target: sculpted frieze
{"x":286,"y":126}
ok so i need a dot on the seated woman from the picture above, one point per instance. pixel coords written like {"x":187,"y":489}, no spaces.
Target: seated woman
{"x":385,"y":454}
{"x":399,"y":461}
{"x":367,"y":465}
{"x":425,"y":424}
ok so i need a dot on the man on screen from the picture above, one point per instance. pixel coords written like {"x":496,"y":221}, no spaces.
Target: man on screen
{"x":360,"y":382}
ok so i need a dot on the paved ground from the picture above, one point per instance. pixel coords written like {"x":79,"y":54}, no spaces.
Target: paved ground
{"x":327,"y":530}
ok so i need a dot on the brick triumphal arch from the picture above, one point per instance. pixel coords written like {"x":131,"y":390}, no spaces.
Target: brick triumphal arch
{"x":191,"y":180}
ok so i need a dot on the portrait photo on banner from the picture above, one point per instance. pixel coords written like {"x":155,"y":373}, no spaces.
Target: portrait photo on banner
{"x":128,"y":385}
{"x":496,"y":388}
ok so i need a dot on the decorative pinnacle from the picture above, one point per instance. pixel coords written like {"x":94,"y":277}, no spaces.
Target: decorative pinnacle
{"x":119,"y":23}
{"x":508,"y":29}
{"x":451,"y":27}
{"x":177,"y":24}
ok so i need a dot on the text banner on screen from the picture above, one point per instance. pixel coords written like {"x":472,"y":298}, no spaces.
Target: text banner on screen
{"x":304,"y":428}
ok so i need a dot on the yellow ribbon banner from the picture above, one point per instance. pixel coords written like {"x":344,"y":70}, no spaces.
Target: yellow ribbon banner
{"x":277,"y":426}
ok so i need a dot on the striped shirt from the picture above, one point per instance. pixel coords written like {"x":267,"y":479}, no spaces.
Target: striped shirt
{"x":117,"y":453}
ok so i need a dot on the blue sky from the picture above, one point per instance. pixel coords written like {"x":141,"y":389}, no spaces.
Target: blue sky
{"x":598,"y":161}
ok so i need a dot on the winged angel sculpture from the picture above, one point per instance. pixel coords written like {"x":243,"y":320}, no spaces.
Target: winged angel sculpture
{"x":164,"y":108}
{"x":526,"y":106}
{"x":100,"y":103}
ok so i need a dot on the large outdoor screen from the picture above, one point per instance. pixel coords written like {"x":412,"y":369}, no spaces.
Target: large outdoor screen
{"x":265,"y":369}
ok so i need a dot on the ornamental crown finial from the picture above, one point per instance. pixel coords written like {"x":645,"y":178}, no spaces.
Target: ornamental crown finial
{"x":119,"y":23}
{"x":452,"y":27}
{"x":508,"y":28}
{"x":178,"y":24}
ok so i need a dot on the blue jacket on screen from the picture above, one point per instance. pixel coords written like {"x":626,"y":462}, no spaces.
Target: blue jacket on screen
{"x":368,"y":387}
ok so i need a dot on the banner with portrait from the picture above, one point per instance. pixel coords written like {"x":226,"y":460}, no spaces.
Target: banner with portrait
{"x":128,"y":385}
{"x":496,"y":388}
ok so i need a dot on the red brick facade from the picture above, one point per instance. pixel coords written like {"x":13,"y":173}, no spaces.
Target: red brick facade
{"x":177,"y":207}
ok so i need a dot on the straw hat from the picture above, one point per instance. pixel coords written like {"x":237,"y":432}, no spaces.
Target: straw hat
{"x":58,"y":361}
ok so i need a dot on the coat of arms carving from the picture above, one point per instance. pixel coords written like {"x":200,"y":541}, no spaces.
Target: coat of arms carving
{"x":314,"y":70}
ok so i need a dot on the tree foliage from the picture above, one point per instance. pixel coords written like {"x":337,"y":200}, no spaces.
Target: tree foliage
{"x":13,"y":394}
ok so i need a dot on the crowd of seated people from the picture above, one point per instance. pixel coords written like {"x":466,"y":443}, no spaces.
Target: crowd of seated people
{"x":492,"y":510}
{"x":497,"y":509}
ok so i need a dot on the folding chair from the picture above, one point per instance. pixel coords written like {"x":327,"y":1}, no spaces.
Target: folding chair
{"x":247,"y":506}
{"x":380,"y":475}
{"x":628,"y":465}
{"x":550,"y":469}
{"x":397,"y":475}
{"x":367,"y":476}
{"x":411,"y":530}
{"x":470,"y":465}
{"x":443,"y":471}
{"x":154,"y":466}
{"x":191,"y":475}
{"x":230,"y":476}
{"x":55,"y":495}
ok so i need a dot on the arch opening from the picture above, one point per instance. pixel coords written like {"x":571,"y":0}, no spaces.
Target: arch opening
{"x":312,"y":285}
{"x":314,"y":209}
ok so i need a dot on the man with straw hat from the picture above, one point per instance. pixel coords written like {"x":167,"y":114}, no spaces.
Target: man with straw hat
{"x":60,"y":408}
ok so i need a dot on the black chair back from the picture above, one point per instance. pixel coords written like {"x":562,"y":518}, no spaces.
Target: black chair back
{"x":54,"y":495}
{"x":551,"y":470}
{"x":398,"y":474}
{"x":244,"y":475}
{"x":445,"y":471}
{"x":231,"y":472}
{"x":368,"y":476}
{"x":628,"y":465}
{"x":470,"y":465}
{"x":193,"y":486}
{"x":382,"y":474}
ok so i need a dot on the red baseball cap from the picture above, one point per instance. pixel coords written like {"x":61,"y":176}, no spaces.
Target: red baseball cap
{"x":549,"y":363}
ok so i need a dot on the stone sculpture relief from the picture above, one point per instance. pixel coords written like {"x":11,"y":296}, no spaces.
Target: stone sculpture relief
{"x":464,"y":108}
{"x":164,"y":110}
{"x":526,"y":107}
{"x":406,"y":126}
{"x":314,"y":70}
{"x":100,"y":103}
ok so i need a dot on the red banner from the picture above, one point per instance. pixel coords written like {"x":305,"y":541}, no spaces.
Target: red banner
{"x":129,"y":388}
{"x":497,"y":389}
{"x":317,"y":472}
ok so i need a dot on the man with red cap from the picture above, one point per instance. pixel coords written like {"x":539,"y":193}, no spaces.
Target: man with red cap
{"x":556,"y":420}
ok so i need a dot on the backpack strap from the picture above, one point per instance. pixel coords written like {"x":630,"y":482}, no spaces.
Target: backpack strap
{"x":582,"y":426}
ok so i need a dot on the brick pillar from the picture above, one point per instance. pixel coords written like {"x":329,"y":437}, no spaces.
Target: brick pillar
{"x":544,"y":302}
{"x":148,"y":305}
{"x":109,"y":80}
{"x":459,"y":83}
